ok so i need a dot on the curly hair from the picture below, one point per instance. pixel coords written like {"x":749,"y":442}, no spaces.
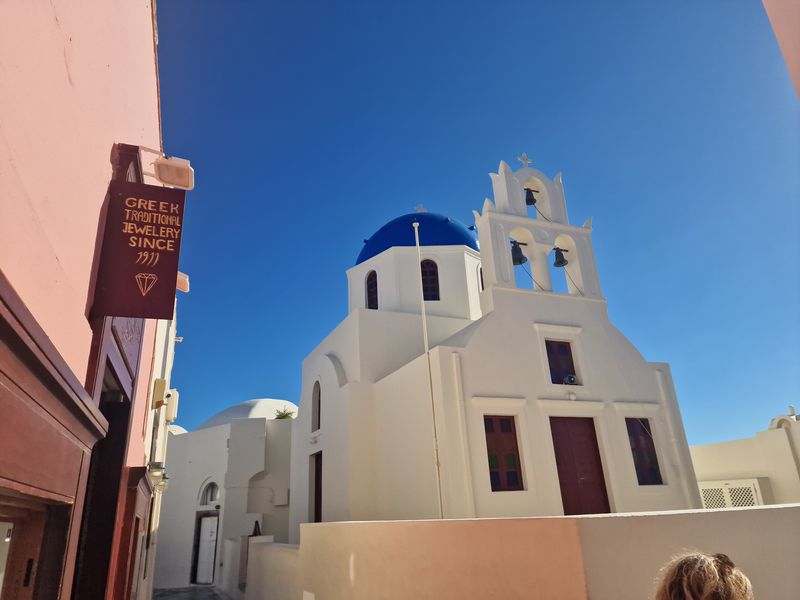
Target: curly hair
{"x":698,"y":576}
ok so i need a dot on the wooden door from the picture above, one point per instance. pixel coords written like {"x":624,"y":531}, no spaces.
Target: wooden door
{"x":580,"y":471}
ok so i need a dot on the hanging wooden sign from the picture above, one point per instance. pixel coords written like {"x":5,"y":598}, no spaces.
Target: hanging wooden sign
{"x":141,"y":244}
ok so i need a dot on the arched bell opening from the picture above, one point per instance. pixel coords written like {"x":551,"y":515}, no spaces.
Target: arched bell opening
{"x":525,"y":261}
{"x":537,"y":198}
{"x":566,"y":263}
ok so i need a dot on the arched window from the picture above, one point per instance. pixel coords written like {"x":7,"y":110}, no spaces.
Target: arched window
{"x":372,"y":290}
{"x":480,"y":278}
{"x":315,"y":406}
{"x":430,"y":280}
{"x":210,"y":494}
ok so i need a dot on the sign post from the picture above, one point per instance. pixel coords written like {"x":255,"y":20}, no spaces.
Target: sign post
{"x":138,"y":268}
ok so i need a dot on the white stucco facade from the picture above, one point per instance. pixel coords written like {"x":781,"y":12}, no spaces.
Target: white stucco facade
{"x":244,"y":451}
{"x":770,"y":460}
{"x":378,"y":398}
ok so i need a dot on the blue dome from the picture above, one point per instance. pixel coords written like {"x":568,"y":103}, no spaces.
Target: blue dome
{"x":434,"y":230}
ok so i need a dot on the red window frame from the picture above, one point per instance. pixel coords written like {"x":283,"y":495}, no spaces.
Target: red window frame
{"x":430,"y":279}
{"x":316,"y":406}
{"x":372,"y":290}
{"x":560,"y":360}
{"x":502,"y":450}
{"x":643,"y":448}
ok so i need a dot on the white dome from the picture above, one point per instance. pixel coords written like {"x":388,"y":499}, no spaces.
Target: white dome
{"x":250,"y":409}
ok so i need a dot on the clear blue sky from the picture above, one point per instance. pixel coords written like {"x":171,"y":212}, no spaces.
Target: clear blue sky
{"x":310,"y":124}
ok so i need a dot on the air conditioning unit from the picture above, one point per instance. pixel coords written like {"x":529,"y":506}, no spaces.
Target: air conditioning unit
{"x":570,"y":379}
{"x":172,"y":405}
{"x":731,"y":493}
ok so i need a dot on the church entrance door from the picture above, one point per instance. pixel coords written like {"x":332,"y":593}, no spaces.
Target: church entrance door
{"x":580,"y":470}
{"x":206,"y":549}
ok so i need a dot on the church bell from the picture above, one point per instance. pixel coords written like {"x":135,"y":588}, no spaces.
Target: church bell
{"x":517,"y":256}
{"x":560,"y":260}
{"x":530,"y":199}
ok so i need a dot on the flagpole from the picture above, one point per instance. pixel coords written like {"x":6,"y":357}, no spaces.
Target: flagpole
{"x":415,"y":224}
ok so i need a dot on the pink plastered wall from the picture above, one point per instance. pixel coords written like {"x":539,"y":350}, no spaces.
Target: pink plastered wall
{"x":75,"y":78}
{"x":471,"y":558}
{"x":784,"y":16}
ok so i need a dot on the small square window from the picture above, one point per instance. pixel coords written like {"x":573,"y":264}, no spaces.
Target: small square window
{"x":561,"y":363}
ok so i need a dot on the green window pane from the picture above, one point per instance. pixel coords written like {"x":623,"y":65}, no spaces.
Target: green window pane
{"x":511,"y":461}
{"x":494,"y":462}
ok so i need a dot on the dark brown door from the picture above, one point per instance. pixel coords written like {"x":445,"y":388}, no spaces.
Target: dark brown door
{"x":580,"y":472}
{"x":317,"y":458}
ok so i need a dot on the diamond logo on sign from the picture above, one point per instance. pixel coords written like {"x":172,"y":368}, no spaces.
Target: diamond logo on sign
{"x":146,"y":281}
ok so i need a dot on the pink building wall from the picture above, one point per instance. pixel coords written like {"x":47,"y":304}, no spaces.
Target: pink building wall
{"x":784,"y":16}
{"x":69,"y":90}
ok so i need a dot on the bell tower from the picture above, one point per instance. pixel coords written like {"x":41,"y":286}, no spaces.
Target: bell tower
{"x":527,"y":224}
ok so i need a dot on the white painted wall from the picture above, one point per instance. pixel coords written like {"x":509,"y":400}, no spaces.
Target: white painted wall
{"x":346,"y":364}
{"x":399,"y":281}
{"x":501,"y":368}
{"x":404,"y":474}
{"x":193,"y":460}
{"x":249,"y":459}
{"x":268,"y":492}
{"x":622,"y":554}
{"x":771,"y":454}
{"x":256,"y":489}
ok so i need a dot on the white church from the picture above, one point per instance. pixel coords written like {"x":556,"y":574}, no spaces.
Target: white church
{"x":527,"y":402}
{"x":499,"y":399}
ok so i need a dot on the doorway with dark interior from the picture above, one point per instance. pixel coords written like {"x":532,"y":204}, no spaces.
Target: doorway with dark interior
{"x":204,"y":552}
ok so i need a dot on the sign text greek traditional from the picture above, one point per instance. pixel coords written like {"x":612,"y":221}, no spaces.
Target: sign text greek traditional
{"x":139,"y":262}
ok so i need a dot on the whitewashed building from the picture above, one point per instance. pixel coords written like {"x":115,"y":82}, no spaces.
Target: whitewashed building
{"x":229,"y":474}
{"x":529,"y":402}
{"x":763,"y":469}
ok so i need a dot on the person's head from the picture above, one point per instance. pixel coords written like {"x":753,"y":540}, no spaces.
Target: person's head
{"x":698,"y":576}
